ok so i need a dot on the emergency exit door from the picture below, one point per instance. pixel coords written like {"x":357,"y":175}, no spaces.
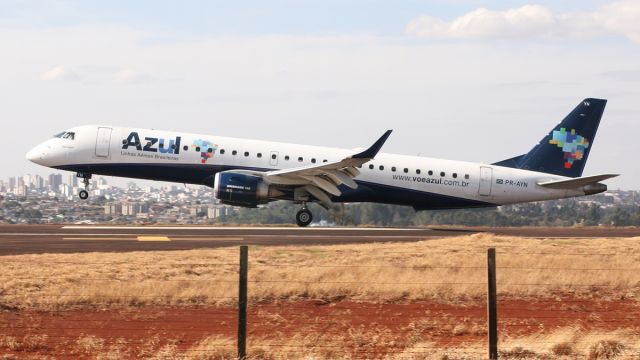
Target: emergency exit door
{"x":103,"y":140}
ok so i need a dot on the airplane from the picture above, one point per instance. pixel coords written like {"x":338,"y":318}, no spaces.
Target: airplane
{"x":249,"y":173}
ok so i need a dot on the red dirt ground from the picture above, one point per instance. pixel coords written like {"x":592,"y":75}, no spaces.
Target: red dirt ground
{"x":446,"y":324}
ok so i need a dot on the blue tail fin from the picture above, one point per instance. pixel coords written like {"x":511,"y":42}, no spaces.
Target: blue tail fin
{"x":564,"y":151}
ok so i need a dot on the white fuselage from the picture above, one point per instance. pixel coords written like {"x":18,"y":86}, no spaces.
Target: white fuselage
{"x":195,"y":158}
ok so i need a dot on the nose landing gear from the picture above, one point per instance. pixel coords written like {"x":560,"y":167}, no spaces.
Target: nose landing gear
{"x":304,"y":216}
{"x":84,"y":194}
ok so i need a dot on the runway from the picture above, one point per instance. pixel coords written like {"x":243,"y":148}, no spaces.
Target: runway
{"x":37,"y":239}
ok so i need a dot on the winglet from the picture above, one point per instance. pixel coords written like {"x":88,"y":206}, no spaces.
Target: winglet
{"x":372,"y":151}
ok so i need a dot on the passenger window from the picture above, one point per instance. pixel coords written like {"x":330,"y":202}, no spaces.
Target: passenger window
{"x":160,"y":145}
{"x":259,"y":155}
{"x":246,"y":153}
{"x":430,"y":172}
{"x":442,"y":173}
{"x":371,"y":166}
{"x":406,"y":170}
{"x":313,"y":160}
{"x":273,"y":156}
{"x":418,"y":171}
{"x":209,"y":150}
{"x":381,"y":167}
{"x":234,"y":152}
{"x":393,"y":168}
{"x":455,"y":175}
{"x":197,"y":148}
{"x":325,"y":160}
{"x":300,"y":158}
{"x":466,"y":176}
{"x":286,"y":157}
{"x":221,"y":151}
{"x":185,"y":148}
{"x":173,"y":146}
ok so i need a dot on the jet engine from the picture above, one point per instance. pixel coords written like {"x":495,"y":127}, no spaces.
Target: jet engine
{"x":237,"y":189}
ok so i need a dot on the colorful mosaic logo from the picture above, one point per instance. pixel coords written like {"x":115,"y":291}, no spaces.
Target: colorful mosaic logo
{"x":572,"y":144}
{"x":206,"y":148}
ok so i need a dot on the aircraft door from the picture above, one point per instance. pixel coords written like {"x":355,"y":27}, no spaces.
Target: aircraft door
{"x":486,"y":180}
{"x":273,"y":159}
{"x":103,"y":141}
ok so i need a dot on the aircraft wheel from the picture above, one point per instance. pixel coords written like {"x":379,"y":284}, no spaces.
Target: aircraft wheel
{"x":304,"y":217}
{"x":83,"y":194}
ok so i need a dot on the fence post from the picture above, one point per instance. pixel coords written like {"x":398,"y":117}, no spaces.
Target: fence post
{"x":242,"y":303}
{"x":492,"y":311}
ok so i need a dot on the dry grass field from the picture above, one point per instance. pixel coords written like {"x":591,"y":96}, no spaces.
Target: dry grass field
{"x":559,"y":299}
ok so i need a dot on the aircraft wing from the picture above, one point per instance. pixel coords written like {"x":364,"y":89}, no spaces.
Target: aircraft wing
{"x":577,"y":182}
{"x":323,"y":179}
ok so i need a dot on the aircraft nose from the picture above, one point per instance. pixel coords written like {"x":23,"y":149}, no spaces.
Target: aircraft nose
{"x":36,"y":154}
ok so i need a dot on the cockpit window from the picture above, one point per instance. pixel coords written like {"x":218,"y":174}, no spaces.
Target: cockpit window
{"x":66,"y":135}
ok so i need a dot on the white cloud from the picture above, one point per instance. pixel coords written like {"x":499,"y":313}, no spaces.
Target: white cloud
{"x":59,"y":73}
{"x":131,"y":76}
{"x":533,"y":21}
{"x":622,"y":18}
{"x":524,"y":21}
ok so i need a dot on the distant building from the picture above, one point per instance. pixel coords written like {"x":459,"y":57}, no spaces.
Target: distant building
{"x":133,"y":209}
{"x":72,"y":180}
{"x":18,"y":188}
{"x":194,"y":211}
{"x":217,"y":211}
{"x":55,"y":180}
{"x":113,"y":209}
{"x":26,"y":180}
{"x":129,"y":209}
{"x":37,"y":182}
{"x":21,"y":190}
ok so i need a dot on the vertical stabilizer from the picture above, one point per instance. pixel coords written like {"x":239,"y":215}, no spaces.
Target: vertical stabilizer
{"x":564,"y":151}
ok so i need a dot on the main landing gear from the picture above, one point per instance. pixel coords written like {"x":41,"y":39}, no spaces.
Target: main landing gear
{"x":303,"y":216}
{"x":84,"y":194}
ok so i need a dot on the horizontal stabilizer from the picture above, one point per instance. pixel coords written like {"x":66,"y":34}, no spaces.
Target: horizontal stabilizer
{"x":577,"y":182}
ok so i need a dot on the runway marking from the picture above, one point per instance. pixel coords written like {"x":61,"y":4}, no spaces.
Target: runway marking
{"x":265,"y":228}
{"x":70,"y":234}
{"x":207,"y":238}
{"x":162,"y":238}
{"x":231,"y":237}
{"x":97,"y":238}
{"x":153,"y":238}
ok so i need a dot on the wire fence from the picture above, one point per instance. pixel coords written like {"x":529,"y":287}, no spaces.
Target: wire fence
{"x":324,"y":304}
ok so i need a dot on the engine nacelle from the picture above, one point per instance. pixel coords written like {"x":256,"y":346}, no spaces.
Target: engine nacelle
{"x":236,"y":189}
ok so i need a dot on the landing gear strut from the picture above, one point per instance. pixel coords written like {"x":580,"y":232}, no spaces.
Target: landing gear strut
{"x":304,"y":217}
{"x":84,"y":194}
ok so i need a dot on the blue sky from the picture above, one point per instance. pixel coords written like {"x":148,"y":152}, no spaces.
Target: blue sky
{"x":335,"y":73}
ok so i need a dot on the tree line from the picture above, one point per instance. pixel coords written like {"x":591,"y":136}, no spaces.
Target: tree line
{"x":566,"y":212}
